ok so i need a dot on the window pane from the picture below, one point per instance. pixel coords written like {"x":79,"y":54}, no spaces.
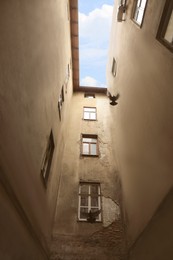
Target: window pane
{"x":94,"y":189}
{"x":143,"y":3}
{"x":138,"y":3}
{"x":93,"y":148}
{"x":92,"y":116}
{"x":89,"y":109}
{"x":84,"y":189}
{"x":86,"y":115}
{"x":85,"y":140}
{"x":94,"y":210}
{"x":94,"y":201}
{"x":139,"y":17}
{"x":83,"y":212}
{"x":169,"y":31}
{"x":84,"y":200}
{"x":89,"y":140}
{"x":85,"y":148}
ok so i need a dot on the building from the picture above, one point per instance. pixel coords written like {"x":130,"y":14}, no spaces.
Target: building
{"x":63,"y":153}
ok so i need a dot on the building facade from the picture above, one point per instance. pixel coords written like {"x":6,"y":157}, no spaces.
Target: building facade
{"x":79,"y":178}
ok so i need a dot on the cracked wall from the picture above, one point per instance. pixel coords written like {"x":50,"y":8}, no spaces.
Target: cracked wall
{"x":111,"y":211}
{"x":69,"y":233}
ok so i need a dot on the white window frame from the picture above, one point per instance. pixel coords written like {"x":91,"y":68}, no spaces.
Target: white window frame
{"x":90,"y":113}
{"x":89,"y":206}
{"x":92,"y":140}
{"x":139,"y":9}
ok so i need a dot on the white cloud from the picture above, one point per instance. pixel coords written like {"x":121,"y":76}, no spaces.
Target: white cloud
{"x":91,"y":82}
{"x":94,"y":32}
{"x":96,"y":25}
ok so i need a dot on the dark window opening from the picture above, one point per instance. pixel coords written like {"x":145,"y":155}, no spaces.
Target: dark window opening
{"x":46,"y":165}
{"x":89,"y":95}
{"x":165,"y":31}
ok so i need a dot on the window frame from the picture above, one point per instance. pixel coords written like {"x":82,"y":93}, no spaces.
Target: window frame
{"x":89,"y":196}
{"x":136,"y":9}
{"x":47,"y":159}
{"x":89,"y":136}
{"x":89,"y":112}
{"x":165,"y":18}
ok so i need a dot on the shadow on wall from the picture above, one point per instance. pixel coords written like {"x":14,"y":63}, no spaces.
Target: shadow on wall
{"x":157,"y":239}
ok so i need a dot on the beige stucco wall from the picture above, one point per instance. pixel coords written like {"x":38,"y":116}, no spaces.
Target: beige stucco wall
{"x":105,"y":239}
{"x":156,"y":240}
{"x":78,"y":168}
{"x":142,"y":122}
{"x":35,"y":53}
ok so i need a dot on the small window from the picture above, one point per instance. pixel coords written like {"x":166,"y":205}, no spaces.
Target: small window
{"x":89,"y":145}
{"x":60,"y":101}
{"x":89,"y":95}
{"x":114,"y":67}
{"x":89,"y":113}
{"x":47,"y":160}
{"x":89,"y":208}
{"x":165,"y":31}
{"x":139,"y":10}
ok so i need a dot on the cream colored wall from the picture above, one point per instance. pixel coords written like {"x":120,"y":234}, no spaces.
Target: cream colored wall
{"x":142,"y":121}
{"x":78,"y":168}
{"x":156,"y":240}
{"x":35,"y":51}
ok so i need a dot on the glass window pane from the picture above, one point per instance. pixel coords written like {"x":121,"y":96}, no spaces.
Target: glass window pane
{"x":86,"y":115}
{"x":89,"y":140}
{"x":94,"y":189}
{"x":94,"y":210}
{"x":83,"y":212}
{"x":94,"y":140}
{"x":143,"y":3}
{"x":138,"y":3}
{"x":84,"y":189}
{"x":94,"y":201}
{"x":85,"y":148}
{"x":84,"y":200}
{"x":139,"y":17}
{"x":85,"y":140}
{"x":89,"y":109}
{"x":169,"y":31}
{"x":92,"y":116}
{"x":93,"y":149}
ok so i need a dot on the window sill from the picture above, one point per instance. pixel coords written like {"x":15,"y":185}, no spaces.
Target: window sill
{"x":89,"y":155}
{"x":85,"y":221}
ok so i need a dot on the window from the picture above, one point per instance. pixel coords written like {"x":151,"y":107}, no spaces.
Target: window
{"x":114,"y":67}
{"x":139,"y":10}
{"x":89,"y":202}
{"x":89,"y":145}
{"x":47,"y":160}
{"x":89,"y":95}
{"x":165,"y":31}
{"x":121,"y":11}
{"x":60,"y":101}
{"x":89,"y":113}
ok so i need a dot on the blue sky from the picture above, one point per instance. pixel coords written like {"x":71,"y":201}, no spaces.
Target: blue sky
{"x":95,"y":17}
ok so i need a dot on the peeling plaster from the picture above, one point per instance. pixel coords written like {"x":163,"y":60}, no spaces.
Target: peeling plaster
{"x":111,"y":211}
